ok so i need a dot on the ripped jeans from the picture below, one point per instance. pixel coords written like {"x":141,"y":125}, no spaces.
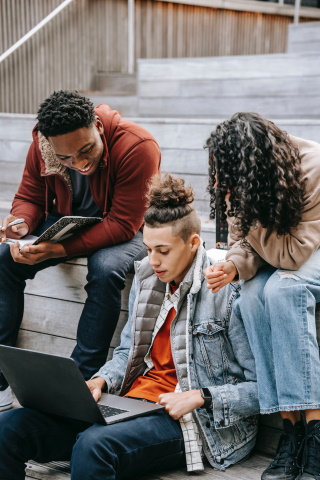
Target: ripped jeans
{"x":278,"y":311}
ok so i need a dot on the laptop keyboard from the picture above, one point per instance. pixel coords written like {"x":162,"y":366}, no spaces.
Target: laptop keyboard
{"x":110,"y":411}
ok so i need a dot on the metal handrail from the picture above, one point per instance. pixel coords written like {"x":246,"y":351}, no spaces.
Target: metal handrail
{"x":34,"y":30}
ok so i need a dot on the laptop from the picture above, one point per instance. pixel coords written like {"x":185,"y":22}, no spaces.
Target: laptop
{"x":54,"y":385}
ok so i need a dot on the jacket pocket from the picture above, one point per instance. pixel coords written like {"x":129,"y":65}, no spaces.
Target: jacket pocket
{"x":229,"y":438}
{"x":208,"y":341}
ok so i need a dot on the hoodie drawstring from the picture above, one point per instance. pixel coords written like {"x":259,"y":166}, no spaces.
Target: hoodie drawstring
{"x":47,"y":201}
{"x":107,"y":191}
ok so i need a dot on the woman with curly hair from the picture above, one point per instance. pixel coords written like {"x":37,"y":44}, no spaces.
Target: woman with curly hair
{"x":267,"y":185}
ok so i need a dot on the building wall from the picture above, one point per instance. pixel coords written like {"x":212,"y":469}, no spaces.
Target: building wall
{"x":90,"y":36}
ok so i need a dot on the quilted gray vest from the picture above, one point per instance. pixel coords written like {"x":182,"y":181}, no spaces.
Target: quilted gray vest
{"x":149,"y":298}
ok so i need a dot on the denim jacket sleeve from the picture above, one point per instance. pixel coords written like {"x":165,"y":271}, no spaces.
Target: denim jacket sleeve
{"x":113,"y":371}
{"x":233,"y":401}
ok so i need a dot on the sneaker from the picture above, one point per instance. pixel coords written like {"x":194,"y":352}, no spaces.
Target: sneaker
{"x":309,"y":455}
{"x":5,"y":399}
{"x":284,"y":466}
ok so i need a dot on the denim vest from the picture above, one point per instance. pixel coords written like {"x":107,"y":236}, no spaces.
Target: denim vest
{"x":218,"y":356}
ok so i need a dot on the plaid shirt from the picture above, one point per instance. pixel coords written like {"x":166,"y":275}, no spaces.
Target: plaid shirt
{"x":191,"y":436}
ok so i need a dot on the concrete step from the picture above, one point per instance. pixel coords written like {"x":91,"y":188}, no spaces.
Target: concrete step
{"x":239,"y":67}
{"x":15,"y":127}
{"x":279,"y":85}
{"x":199,"y":107}
{"x":7,"y":192}
{"x":304,"y":37}
{"x":5,"y":206}
{"x":124,"y":104}
{"x":115,"y":83}
{"x":188,"y":136}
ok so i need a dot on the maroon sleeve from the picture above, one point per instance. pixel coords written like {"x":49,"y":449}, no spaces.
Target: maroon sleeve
{"x":29,"y":201}
{"x":125,"y":217}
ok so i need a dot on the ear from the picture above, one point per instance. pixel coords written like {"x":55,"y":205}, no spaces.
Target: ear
{"x":195,"y":242}
{"x":99,"y":125}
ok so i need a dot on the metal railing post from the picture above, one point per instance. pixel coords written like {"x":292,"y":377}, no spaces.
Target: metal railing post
{"x":131,"y":56}
{"x":296,"y":11}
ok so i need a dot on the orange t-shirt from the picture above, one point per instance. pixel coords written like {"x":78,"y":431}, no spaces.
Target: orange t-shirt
{"x":162,"y":378}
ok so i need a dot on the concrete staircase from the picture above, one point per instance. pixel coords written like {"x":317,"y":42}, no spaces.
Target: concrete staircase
{"x":304,"y":38}
{"x":277,"y":86}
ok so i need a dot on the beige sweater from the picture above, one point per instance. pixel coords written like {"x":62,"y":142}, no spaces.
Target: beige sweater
{"x":288,"y":251}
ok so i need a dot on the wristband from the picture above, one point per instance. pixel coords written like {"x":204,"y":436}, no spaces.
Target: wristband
{"x":207,"y":397}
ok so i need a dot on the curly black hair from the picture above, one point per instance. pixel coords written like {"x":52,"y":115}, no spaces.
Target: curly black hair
{"x":255,"y":162}
{"x":169,"y":202}
{"x":63,"y":112}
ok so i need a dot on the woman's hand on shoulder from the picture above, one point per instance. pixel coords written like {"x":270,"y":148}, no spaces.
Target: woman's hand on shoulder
{"x":220,"y":274}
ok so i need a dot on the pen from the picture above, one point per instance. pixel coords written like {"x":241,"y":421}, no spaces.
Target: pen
{"x":14,"y":222}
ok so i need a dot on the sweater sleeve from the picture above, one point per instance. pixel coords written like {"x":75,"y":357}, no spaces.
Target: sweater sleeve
{"x":125,"y":216}
{"x":292,"y":250}
{"x":244,"y":257}
{"x":289,"y":251}
{"x":29,"y":201}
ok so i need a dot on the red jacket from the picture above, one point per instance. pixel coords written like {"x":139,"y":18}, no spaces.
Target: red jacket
{"x":131,"y":156}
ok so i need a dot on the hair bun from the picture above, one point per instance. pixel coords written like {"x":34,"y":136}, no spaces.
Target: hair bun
{"x":169,"y":192}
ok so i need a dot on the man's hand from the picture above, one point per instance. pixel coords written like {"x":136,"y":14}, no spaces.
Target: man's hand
{"x":16,"y":231}
{"x":96,"y":385}
{"x":32,"y":254}
{"x":220,"y":274}
{"x":179,"y":404}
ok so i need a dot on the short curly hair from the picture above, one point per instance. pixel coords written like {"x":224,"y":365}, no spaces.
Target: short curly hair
{"x":169,"y":202}
{"x":64,"y":112}
{"x":255,"y":162}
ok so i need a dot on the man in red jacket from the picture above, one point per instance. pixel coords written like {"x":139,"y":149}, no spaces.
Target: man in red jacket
{"x":82,"y":161}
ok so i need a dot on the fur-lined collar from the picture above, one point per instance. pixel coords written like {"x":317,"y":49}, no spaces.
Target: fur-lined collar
{"x":52,"y":164}
{"x":198,"y":269}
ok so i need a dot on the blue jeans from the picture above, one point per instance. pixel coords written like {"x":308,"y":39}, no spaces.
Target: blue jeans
{"x":107,"y":269}
{"x":125,"y":449}
{"x":278,"y":310}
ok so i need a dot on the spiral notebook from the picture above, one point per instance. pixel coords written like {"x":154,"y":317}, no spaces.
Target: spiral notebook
{"x":63,"y":228}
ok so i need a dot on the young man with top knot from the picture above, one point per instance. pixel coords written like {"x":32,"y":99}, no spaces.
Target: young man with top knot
{"x":179,"y":348}
{"x":82,"y":161}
